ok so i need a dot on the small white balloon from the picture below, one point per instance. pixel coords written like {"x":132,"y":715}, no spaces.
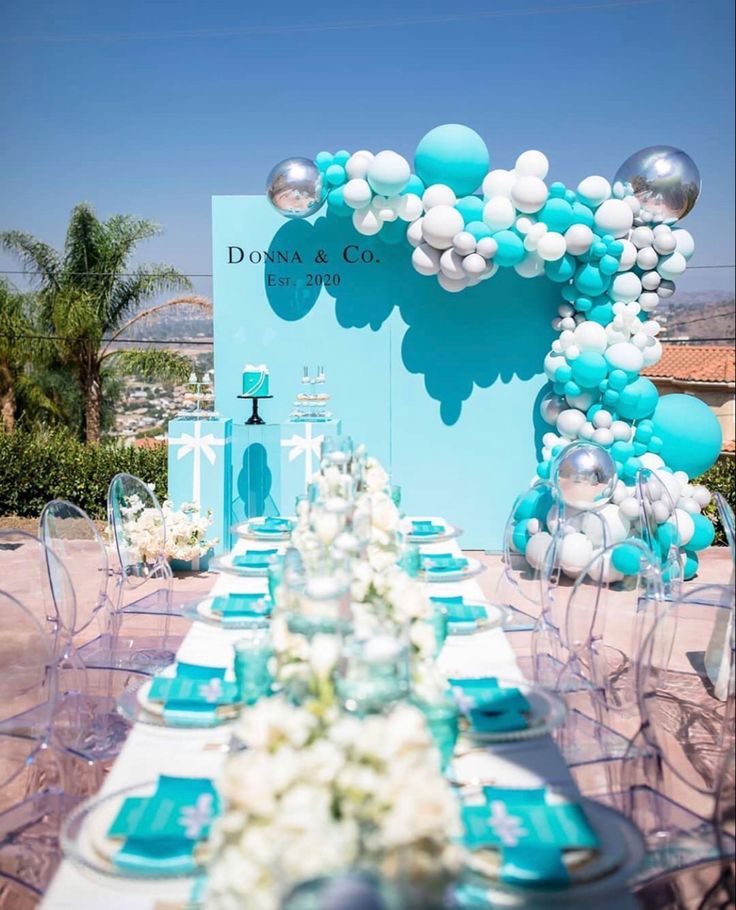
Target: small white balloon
{"x":451,"y":263}
{"x":652,"y":354}
{"x":357,"y":193}
{"x":523,"y":224}
{"x":685,"y":245}
{"x":578,"y":238}
{"x":451,"y":284}
{"x":621,"y":431}
{"x":650,"y":281}
{"x":533,"y":236}
{"x":602,"y":418}
{"x":607,"y":526}
{"x":532,"y":163}
{"x":464,"y":243}
{"x":414,"y":232}
{"x":594,"y":190}
{"x":409,"y":207}
{"x":529,"y":194}
{"x":630,"y":508}
{"x":614,"y":217}
{"x":367,"y":222}
{"x":576,"y":551}
{"x":648,"y":301}
{"x":628,"y":256}
{"x":624,"y":356}
{"x":651,"y":461}
{"x":591,"y":336}
{"x":625,"y":287}
{"x":499,"y":213}
{"x":388,"y":173}
{"x":536,"y":549}
{"x":685,"y":526}
{"x":666,"y":288}
{"x":603,"y":436}
{"x":642,"y":237}
{"x":426,"y":259}
{"x":582,"y":401}
{"x":586,"y":431}
{"x":689,"y":505}
{"x":551,"y":246}
{"x":569,"y":422}
{"x":356,"y":167}
{"x":487,"y":247}
{"x":665,"y":243}
{"x":672,"y":266}
{"x":474,"y":264}
{"x":440,"y":225}
{"x":498,"y":183}
{"x":701,"y":495}
{"x":634,"y":204}
{"x":551,"y":363}
{"x":438,"y":194}
{"x":531,"y":266}
{"x":647,"y":258}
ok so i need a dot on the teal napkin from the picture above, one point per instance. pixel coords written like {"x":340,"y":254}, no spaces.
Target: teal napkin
{"x":459,"y":613}
{"x":426,"y":529}
{"x":192,"y":696}
{"x":272,"y":525}
{"x":235,"y":607}
{"x":489,"y":707}
{"x":254,"y":559}
{"x":161,"y":831}
{"x":442,"y":562}
{"x":530,"y":832}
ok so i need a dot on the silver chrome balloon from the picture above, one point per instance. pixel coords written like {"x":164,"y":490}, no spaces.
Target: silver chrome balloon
{"x":550,"y":408}
{"x":585,"y":475}
{"x":296,"y":187}
{"x":664,"y":179}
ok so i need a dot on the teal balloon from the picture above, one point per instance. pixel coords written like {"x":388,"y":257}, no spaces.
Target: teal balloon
{"x":638,"y":399}
{"x":452,"y":154}
{"x":471,"y":208}
{"x":602,"y":313}
{"x":323,"y":160}
{"x":626,"y":558}
{"x":561,"y":270}
{"x":667,"y":537}
{"x":608,"y":265}
{"x":544,"y":469}
{"x":520,"y":535}
{"x":621,"y":451}
{"x":414,"y":185}
{"x":582,"y":214}
{"x":335,"y":175}
{"x":690,"y":433}
{"x":336,"y":204}
{"x":341,"y":157}
{"x":591,"y":281}
{"x":510,"y":248}
{"x":704,"y":533}
{"x":563,"y":373}
{"x":557,"y":214}
{"x":572,"y":389}
{"x":589,"y":368}
{"x":478,"y":229}
{"x":527,"y":507}
{"x":618,"y":380}
{"x":692,"y":563}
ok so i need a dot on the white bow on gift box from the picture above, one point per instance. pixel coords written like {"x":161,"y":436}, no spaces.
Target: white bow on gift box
{"x":198,"y":445}
{"x":307,"y":445}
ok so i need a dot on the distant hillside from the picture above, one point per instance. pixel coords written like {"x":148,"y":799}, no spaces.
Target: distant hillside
{"x":699,"y":315}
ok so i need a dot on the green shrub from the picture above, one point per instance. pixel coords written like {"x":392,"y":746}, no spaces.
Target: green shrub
{"x":721,"y":478}
{"x":37,"y":467}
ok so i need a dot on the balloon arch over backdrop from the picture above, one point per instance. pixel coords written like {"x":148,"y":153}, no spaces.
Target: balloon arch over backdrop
{"x":615,"y":251}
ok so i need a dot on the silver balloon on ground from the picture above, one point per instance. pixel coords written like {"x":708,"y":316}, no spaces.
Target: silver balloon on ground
{"x":664,"y":179}
{"x":585,"y":475}
{"x":296,"y":187}
{"x":550,"y":408}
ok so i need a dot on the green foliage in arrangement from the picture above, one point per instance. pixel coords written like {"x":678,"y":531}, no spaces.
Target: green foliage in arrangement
{"x":721,"y":478}
{"x":37,"y":467}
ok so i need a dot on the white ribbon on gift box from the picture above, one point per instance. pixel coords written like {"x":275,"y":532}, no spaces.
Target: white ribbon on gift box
{"x":198,"y":445}
{"x":308,"y":445}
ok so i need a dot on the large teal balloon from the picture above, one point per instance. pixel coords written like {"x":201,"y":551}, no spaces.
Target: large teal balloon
{"x":589,"y":368}
{"x":690,"y":433}
{"x":452,"y":154}
{"x":510,"y":248}
{"x":703,"y":535}
{"x":638,"y":399}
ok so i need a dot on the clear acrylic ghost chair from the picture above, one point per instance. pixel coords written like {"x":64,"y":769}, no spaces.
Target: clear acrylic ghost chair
{"x":657,"y":527}
{"x":687,"y":704}
{"x":16,"y":895}
{"x":728,"y":522}
{"x":98,"y":635}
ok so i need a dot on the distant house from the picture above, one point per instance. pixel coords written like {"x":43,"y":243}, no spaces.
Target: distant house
{"x":705,"y":370}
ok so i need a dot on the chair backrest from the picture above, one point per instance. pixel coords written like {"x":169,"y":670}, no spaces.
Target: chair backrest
{"x":725,"y":513}
{"x":686,"y":687}
{"x":69,"y":533}
{"x":658,"y":527}
{"x":138,"y":527}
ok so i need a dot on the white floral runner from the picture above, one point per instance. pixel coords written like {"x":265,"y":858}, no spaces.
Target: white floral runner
{"x":150,"y":751}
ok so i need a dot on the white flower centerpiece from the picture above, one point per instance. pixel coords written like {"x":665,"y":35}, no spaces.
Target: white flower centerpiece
{"x":314,"y":795}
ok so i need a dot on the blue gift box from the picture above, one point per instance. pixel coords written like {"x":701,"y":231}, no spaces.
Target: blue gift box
{"x":199,"y":469}
{"x":300,"y":450}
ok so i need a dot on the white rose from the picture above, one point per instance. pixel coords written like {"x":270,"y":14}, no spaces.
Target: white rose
{"x":324,"y":652}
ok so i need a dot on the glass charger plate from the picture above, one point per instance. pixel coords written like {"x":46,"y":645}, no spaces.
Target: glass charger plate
{"x":248,"y":530}
{"x":473,"y":568}
{"x":496,"y":618}
{"x":620,"y":855}
{"x":547,"y":713}
{"x":84,"y":840}
{"x":200,"y":610}
{"x":225,"y":564}
{"x":134,"y":705}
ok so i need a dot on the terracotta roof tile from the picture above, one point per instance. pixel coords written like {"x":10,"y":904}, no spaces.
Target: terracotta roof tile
{"x":695,"y":363}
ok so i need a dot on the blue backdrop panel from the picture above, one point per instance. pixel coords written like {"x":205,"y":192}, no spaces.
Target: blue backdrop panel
{"x":441,"y":387}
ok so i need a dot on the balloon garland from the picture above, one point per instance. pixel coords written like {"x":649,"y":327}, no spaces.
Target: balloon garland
{"x":614,"y":252}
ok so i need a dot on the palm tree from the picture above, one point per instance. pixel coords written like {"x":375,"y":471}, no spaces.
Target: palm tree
{"x":89,"y":295}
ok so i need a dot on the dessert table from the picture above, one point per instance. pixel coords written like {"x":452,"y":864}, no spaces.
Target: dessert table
{"x":150,"y":751}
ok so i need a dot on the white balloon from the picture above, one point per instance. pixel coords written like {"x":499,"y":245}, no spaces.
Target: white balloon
{"x":630,"y":508}
{"x":490,"y":271}
{"x":451,"y":263}
{"x":551,"y":246}
{"x":388,"y":173}
{"x":602,"y":418}
{"x":523,"y":224}
{"x":603,"y":436}
{"x":628,"y":256}
{"x":689,"y":505}
{"x":426,"y":259}
{"x":438,"y":194}
{"x":576,"y":551}
{"x":648,"y":301}
{"x":356,"y":167}
{"x":624,"y":356}
{"x":591,"y":336}
{"x":498,"y":183}
{"x":642,"y":237}
{"x":665,"y":243}
{"x":672,"y":266}
{"x":651,"y":461}
{"x":357,"y":193}
{"x":610,"y":521}
{"x":582,"y":401}
{"x":487,"y":247}
{"x":685,"y":243}
{"x":551,"y":362}
{"x":614,"y":217}
{"x":531,"y":266}
{"x":474,"y":264}
{"x":451,"y":284}
{"x":532,"y":164}
{"x":701,"y":495}
{"x":440,"y":225}
{"x":625,"y":287}
{"x":386,"y":212}
{"x":499,"y":213}
{"x":569,"y":422}
{"x":594,"y":190}
{"x":367,"y":222}
{"x":634,"y":204}
{"x":621,"y":430}
{"x":586,"y":431}
{"x":464,"y":243}
{"x":533,"y":236}
{"x":534,"y":525}
{"x":666,"y":288}
{"x":414,"y":232}
{"x":650,"y":281}
{"x":660,"y":512}
{"x":529,"y":194}
{"x":409,"y":207}
{"x":685,"y":526}
{"x":536,"y":549}
{"x":578,"y":238}
{"x":647,"y":258}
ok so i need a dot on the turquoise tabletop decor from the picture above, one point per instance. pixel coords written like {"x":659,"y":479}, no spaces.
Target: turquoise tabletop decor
{"x":426,"y":529}
{"x":255,"y":380}
{"x":461,"y":617}
{"x":196,"y":696}
{"x":252,"y":664}
{"x":440,"y":563}
{"x":254,"y":559}
{"x":489,"y":707}
{"x":236,"y":608}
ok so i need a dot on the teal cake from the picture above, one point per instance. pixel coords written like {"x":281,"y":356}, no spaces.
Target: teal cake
{"x":255,"y":380}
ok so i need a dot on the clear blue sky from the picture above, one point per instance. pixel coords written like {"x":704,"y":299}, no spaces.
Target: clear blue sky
{"x":152,"y":106}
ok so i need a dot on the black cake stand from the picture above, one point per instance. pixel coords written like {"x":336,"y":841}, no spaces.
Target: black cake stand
{"x":255,"y":417}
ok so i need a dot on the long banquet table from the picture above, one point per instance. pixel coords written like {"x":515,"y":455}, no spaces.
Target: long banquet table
{"x":150,"y":751}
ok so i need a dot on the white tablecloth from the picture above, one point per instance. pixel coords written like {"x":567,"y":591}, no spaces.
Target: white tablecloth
{"x":150,"y":751}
